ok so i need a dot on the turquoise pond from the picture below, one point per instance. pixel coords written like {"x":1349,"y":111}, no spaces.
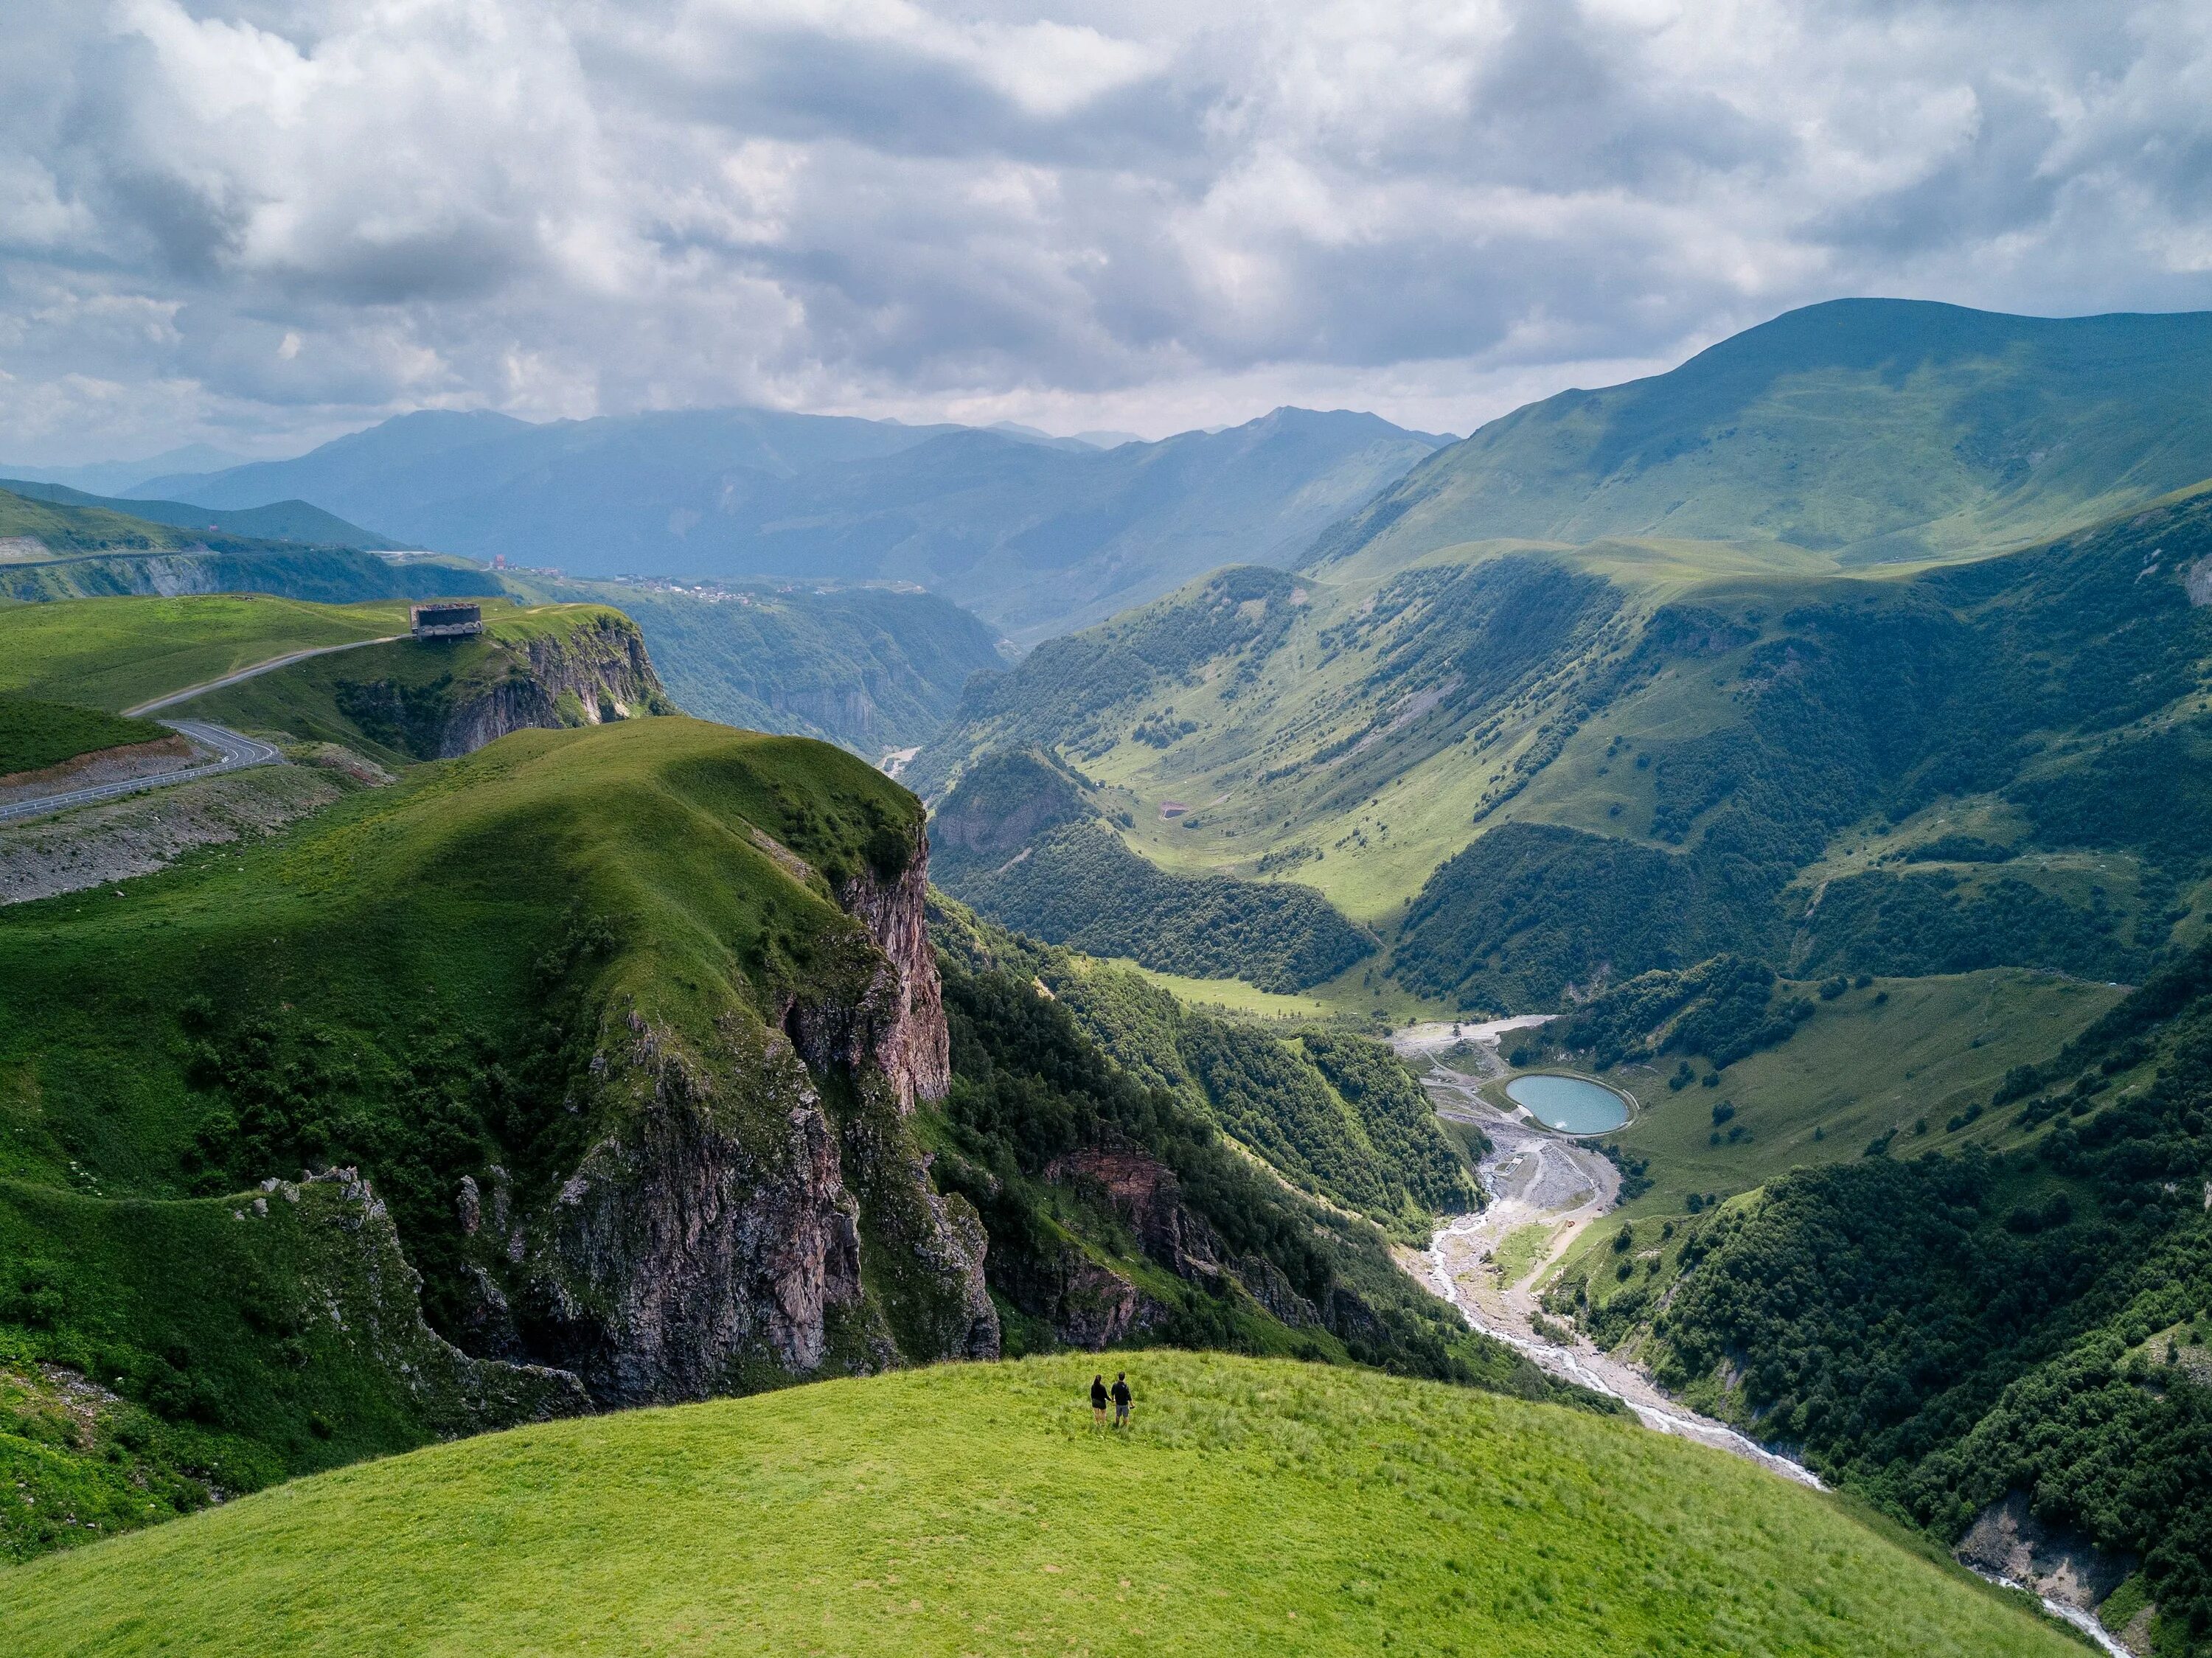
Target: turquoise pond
{"x":1569,"y":1103}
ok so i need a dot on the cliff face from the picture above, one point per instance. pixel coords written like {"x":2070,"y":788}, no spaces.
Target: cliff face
{"x":757,"y":1209}
{"x":593,"y":671}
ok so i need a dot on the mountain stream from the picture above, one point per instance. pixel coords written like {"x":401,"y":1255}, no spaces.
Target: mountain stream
{"x":1537,"y":1179}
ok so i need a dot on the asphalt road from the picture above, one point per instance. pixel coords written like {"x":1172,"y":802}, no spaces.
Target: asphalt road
{"x":233,"y":752}
{"x":272,"y":663}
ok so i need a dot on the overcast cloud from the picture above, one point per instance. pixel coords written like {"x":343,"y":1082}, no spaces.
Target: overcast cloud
{"x":258,"y":223}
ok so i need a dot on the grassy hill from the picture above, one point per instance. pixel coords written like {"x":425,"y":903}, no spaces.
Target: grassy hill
{"x":115,"y":653}
{"x":1256,"y":1507}
{"x":1845,"y":434}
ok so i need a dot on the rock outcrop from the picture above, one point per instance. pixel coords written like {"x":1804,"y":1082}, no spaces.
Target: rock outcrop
{"x":358,"y":1278}
{"x":595,"y":670}
{"x":2007,"y":1540}
{"x":756,"y":1208}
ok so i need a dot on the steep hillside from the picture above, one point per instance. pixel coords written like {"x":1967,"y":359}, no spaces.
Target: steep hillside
{"x":1035,"y":537}
{"x":1334,"y":1115}
{"x":2028,"y":1314}
{"x":625,"y":1029}
{"x":1022,"y":839}
{"x":1853,"y":432}
{"x":432,"y":699}
{"x":1255,"y":1507}
{"x":1539,"y":770}
{"x":52,"y":549}
{"x":876,"y":669}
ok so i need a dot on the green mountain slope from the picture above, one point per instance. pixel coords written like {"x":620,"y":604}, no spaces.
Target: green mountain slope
{"x":1853,"y":432}
{"x":1535,"y":770}
{"x":282,"y":520}
{"x":1255,"y":1507}
{"x":416,"y":983}
{"x":1021,"y":838}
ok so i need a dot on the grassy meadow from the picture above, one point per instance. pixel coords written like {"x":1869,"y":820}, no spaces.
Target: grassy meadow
{"x":1256,"y":1507}
{"x":1878,"y":1057}
{"x":114,"y":653}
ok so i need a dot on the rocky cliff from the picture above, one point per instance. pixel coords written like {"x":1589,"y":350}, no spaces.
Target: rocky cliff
{"x":595,"y":670}
{"x":441,"y":699}
{"x":755,"y":1209}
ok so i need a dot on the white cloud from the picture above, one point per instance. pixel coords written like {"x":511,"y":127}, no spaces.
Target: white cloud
{"x":259,"y":221}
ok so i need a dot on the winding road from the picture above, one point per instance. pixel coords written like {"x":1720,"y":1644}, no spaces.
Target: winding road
{"x":227,"y":750}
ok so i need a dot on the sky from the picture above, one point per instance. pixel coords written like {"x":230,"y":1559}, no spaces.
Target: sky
{"x":259,"y":223}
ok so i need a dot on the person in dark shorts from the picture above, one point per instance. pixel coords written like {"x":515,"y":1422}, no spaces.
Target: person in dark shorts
{"x":1098,"y":1401}
{"x":1121,"y":1397}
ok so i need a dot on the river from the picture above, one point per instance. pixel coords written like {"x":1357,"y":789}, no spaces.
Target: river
{"x":1535,"y":1178}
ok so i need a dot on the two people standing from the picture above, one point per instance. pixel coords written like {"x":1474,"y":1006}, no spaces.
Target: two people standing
{"x":1119,"y":1394}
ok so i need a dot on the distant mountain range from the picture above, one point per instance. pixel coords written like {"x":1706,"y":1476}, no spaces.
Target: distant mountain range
{"x":1035,"y":536}
{"x":1866,"y":431}
{"x":112,"y":477}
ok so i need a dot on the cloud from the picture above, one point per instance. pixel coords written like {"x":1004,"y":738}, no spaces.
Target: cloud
{"x":257,"y":223}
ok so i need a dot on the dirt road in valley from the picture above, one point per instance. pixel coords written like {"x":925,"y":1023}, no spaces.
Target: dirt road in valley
{"x":1534,"y":1178}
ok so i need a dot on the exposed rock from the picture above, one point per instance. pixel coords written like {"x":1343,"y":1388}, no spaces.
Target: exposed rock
{"x":2064,"y":1565}
{"x":915,"y":1051}
{"x":712,"y":1238}
{"x":601,"y":663}
{"x":1147,"y":1194}
{"x":1087,"y":1304}
{"x":114,"y":839}
{"x":359,"y":1280}
{"x":1271,"y":1287}
{"x":679,"y":1252}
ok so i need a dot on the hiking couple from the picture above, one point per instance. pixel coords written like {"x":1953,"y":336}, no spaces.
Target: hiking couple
{"x":1119,"y":1394}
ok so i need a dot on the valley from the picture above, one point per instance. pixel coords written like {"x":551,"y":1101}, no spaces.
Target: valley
{"x":504,"y":1046}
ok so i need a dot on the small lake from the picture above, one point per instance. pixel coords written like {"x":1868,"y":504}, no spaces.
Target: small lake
{"x":1569,"y":1103}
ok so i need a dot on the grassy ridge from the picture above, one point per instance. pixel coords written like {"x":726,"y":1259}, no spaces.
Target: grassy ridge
{"x":1841,"y":434}
{"x":114,"y":653}
{"x":34,"y":735}
{"x":1257,"y":1507}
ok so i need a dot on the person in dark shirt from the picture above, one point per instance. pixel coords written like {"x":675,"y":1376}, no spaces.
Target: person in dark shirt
{"x":1098,"y":1401}
{"x":1121,"y":1397}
